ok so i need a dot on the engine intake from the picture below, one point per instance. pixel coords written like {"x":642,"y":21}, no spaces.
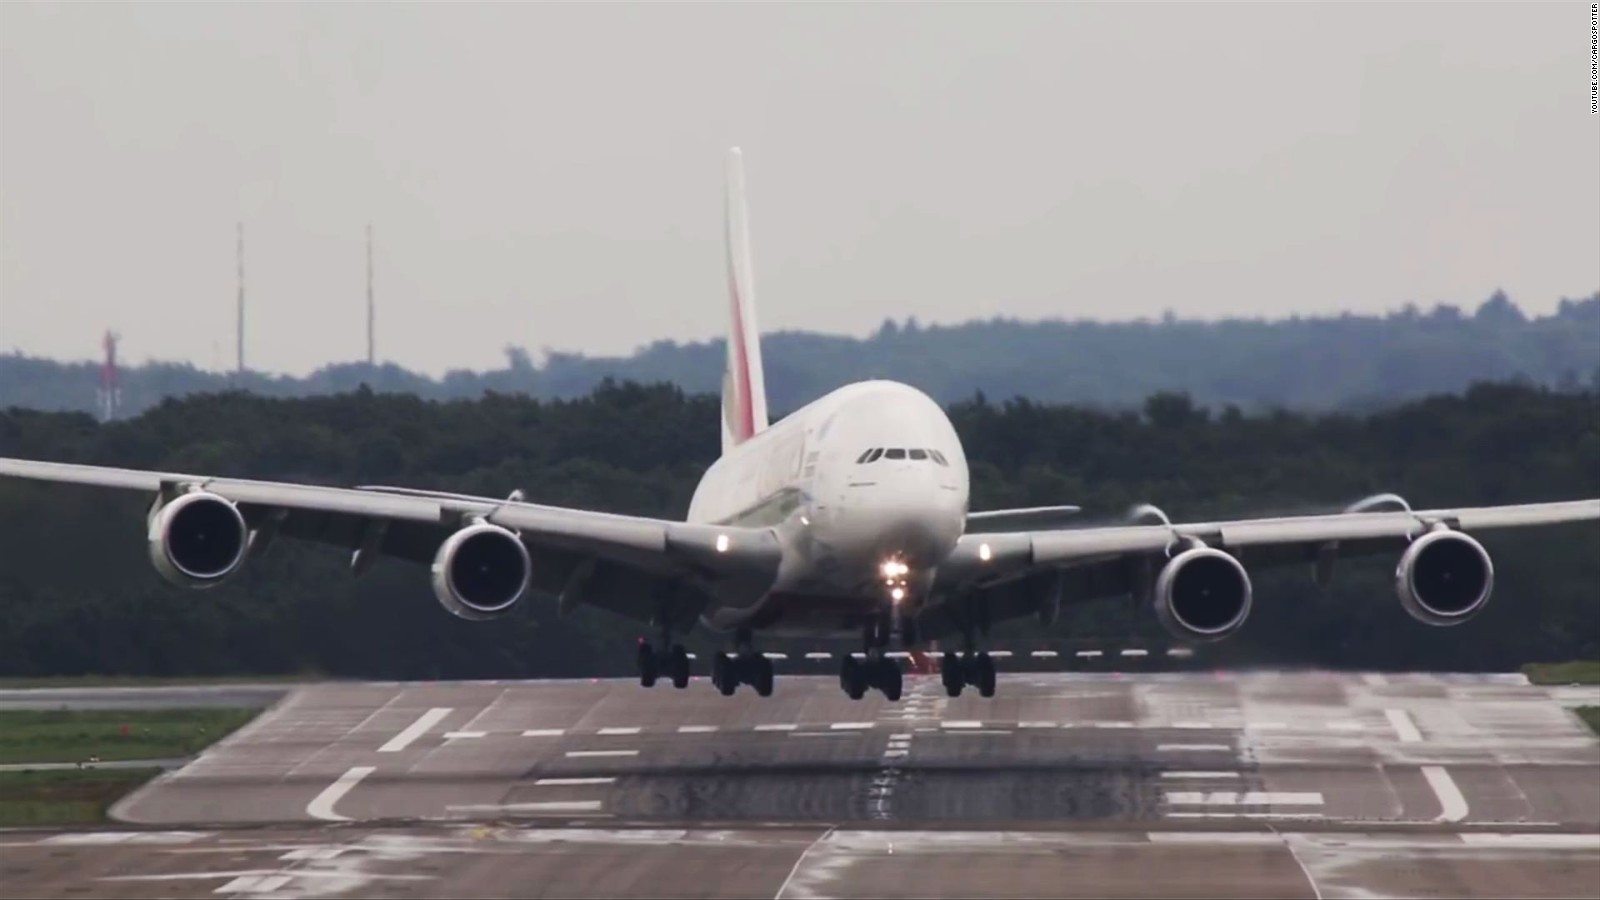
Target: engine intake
{"x":1444,"y":578}
{"x":1202,"y":594}
{"x":197,"y":539}
{"x":481,"y":572}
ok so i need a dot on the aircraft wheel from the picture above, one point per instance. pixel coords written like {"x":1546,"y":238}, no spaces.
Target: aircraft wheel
{"x":889,"y":678}
{"x":985,"y":675}
{"x":722,"y":674}
{"x":678,"y":666}
{"x":852,"y":677}
{"x":649,"y":665}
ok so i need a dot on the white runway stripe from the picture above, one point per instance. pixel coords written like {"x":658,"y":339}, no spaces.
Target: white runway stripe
{"x":1246,"y":798}
{"x":1452,"y":805}
{"x":1199,"y":774}
{"x":784,"y":727}
{"x":544,"y":732}
{"x":1198,"y":748}
{"x":415,"y":730}
{"x":616,"y":731}
{"x":549,"y":806}
{"x":851,"y":726}
{"x":696,"y":729}
{"x":568,"y":782}
{"x":458,"y":735}
{"x":1403,"y":726}
{"x":961,"y":724}
{"x":321,"y":806}
{"x":587,"y":753}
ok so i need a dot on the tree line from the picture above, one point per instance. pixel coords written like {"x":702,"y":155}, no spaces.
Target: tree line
{"x":1314,"y":363}
{"x":78,"y":594}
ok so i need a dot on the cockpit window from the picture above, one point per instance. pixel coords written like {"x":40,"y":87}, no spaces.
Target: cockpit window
{"x":877,"y":452}
{"x":863,"y":457}
{"x":896,"y":453}
{"x":938,"y":457}
{"x":919,"y":454}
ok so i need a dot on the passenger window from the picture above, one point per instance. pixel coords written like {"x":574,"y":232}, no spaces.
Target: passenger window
{"x":896,"y":453}
{"x":919,"y":454}
{"x":863,"y":457}
{"x":877,"y":453}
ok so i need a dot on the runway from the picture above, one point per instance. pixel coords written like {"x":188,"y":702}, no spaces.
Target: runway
{"x":1194,"y":784}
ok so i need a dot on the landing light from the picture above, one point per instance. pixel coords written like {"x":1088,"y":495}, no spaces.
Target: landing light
{"x":898,"y":594}
{"x":984,"y":553}
{"x":722,"y":543}
{"x":894,"y":569}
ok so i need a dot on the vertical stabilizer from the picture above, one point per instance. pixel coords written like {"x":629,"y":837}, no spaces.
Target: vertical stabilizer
{"x":744,"y":393}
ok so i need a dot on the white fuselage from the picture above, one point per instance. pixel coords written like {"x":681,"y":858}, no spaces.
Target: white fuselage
{"x":841,"y":519}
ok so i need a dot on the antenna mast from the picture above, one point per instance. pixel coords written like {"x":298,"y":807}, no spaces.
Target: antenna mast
{"x":240,"y":313}
{"x":371,"y":309}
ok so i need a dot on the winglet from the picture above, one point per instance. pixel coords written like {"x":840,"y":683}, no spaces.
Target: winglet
{"x":744,"y":395}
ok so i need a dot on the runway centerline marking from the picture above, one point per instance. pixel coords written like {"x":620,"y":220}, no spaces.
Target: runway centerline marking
{"x":1199,"y":774}
{"x":851,"y":726}
{"x":1403,"y":726}
{"x":696,"y":729}
{"x":458,"y":735}
{"x":1246,"y":798}
{"x":961,"y":724}
{"x":321,"y":806}
{"x":578,"y":754}
{"x":569,"y":782}
{"x":787,"y":726}
{"x":1180,"y":748}
{"x":416,"y":729}
{"x":1452,"y":805}
{"x":544,"y":732}
{"x":617,"y":731}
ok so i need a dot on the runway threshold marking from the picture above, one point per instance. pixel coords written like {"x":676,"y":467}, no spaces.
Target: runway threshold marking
{"x":416,"y":729}
{"x":321,"y":806}
{"x":1452,"y":805}
{"x":1403,"y":726}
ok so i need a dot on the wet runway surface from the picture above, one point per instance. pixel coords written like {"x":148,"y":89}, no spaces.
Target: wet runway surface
{"x":1191,"y":784}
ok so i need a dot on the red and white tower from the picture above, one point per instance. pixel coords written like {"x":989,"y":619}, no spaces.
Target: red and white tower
{"x":110,"y":393}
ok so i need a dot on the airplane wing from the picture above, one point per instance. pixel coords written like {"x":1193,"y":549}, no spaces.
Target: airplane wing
{"x":1008,"y":575}
{"x":632,"y":565}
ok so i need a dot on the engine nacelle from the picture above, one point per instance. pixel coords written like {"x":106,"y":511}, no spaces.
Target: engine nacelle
{"x":1444,"y":578}
{"x":1202,"y":594}
{"x":481,"y":572}
{"x":197,"y":539}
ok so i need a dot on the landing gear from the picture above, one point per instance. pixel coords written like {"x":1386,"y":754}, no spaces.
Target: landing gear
{"x":975,"y":669}
{"x":674,"y":664}
{"x":728,"y":672}
{"x":874,"y":671}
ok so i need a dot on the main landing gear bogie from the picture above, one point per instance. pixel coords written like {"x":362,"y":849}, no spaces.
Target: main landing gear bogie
{"x":653,"y":664}
{"x":968,"y":669}
{"x":877,"y":671}
{"x":728,"y":672}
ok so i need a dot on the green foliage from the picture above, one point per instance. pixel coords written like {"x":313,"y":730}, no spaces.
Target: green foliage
{"x":1582,"y":671}
{"x":75,"y":735}
{"x":1300,"y":363}
{"x":78,"y":595}
{"x":1590,"y":716}
{"x":69,"y":797}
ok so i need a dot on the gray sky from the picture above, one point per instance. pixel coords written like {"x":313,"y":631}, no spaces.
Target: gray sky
{"x":550,"y":175}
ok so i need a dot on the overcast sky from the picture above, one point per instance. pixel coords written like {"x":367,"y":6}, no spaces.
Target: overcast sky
{"x":551,"y":175}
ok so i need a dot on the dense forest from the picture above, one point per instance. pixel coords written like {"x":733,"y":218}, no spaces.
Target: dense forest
{"x":1344,"y":362}
{"x":78,"y":594}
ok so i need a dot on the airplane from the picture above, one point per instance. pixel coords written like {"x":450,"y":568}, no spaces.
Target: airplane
{"x":846,"y":518}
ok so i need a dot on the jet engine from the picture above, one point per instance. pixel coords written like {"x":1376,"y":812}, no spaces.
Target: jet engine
{"x":197,"y":539}
{"x":1202,"y":594}
{"x":1444,"y":578}
{"x":481,"y":572}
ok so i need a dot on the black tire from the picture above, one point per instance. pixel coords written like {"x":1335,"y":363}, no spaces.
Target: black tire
{"x":852,"y":678}
{"x":763,"y":673}
{"x":889,"y":679}
{"x":649,"y":665}
{"x":678,"y":666}
{"x":985,"y":675}
{"x":722,"y":674}
{"x":952,"y":674}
